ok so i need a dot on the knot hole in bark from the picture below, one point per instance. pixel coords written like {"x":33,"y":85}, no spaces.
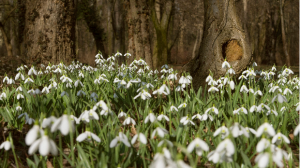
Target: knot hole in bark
{"x":232,"y":50}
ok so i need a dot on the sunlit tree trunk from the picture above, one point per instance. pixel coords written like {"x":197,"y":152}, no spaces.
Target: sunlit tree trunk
{"x":50,"y":31}
{"x":223,"y":37}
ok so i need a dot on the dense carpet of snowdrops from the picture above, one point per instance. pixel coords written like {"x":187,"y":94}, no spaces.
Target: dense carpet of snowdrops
{"x":131,"y":116}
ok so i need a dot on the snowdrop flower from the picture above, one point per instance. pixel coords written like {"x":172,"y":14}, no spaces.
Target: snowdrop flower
{"x":78,"y":82}
{"x":45,"y":90}
{"x":209,"y":78}
{"x":122,"y":114}
{"x":32,"y":71}
{"x":265,"y":128}
{"x":200,"y":146}
{"x":186,"y":120}
{"x":64,"y":124}
{"x":287,"y":91}
{"x":88,"y":115}
{"x":19,"y":108}
{"x":143,"y":94}
{"x":237,"y":130}
{"x":18,"y":76}
{"x":45,"y":146}
{"x":278,"y":138}
{"x":242,"y":109}
{"x":162,"y":116}
{"x":274,"y":89}
{"x":151,"y":117}
{"x":128,"y":121}
{"x":81,"y":93}
{"x":73,"y":118}
{"x":254,"y":64}
{"x":225,"y":65}
{"x":6,"y":145}
{"x":87,"y":135}
{"x":197,"y":116}
{"x":159,"y":131}
{"x":244,"y":89}
{"x":205,"y":116}
{"x":20,"y":96}
{"x":64,"y":93}
{"x":223,"y":130}
{"x":172,"y":77}
{"x":127,"y":55}
{"x":121,"y":138}
{"x":230,"y":71}
{"x":47,"y":122}
{"x":213,"y":89}
{"x":5,"y":79}
{"x":251,"y":130}
{"x":213,"y":109}
{"x":297,"y":130}
{"x":242,"y":77}
{"x":223,"y":152}
{"x":165,"y":141}
{"x":180,"y":88}
{"x":278,"y":155}
{"x":183,"y":105}
{"x":32,"y":134}
{"x":280,"y":98}
{"x":173,"y":108}
{"x":262,"y":145}
{"x":262,"y":106}
{"x":262,"y":159}
{"x":258,"y":92}
{"x":142,"y":138}
{"x":158,"y":161}
{"x":232,"y":85}
{"x":184,"y":80}
{"x":226,"y":145}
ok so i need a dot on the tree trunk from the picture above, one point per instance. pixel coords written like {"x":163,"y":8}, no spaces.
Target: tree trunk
{"x":50,"y":31}
{"x":285,"y":50}
{"x":93,"y":20}
{"x":223,"y":37}
{"x":138,"y":31}
{"x":6,"y":41}
{"x":161,"y":25}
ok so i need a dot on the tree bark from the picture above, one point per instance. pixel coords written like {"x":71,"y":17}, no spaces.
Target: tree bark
{"x":285,"y":50}
{"x":6,"y":41}
{"x":50,"y":31}
{"x":161,"y":25}
{"x":223,"y":37}
{"x":138,"y":31}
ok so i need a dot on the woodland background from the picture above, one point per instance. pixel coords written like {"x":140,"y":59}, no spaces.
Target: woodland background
{"x":118,"y":25}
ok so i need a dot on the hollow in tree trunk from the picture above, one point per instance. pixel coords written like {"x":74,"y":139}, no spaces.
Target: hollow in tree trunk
{"x":223,"y":37}
{"x":50,"y":31}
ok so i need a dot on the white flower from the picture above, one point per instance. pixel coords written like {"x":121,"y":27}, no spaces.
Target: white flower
{"x":261,"y":106}
{"x":251,"y":130}
{"x":230,"y":71}
{"x":200,"y":146}
{"x":227,"y":146}
{"x":31,"y":71}
{"x":197,"y":116}
{"x":209,"y":78}
{"x":297,"y":130}
{"x":184,"y":80}
{"x":186,"y":120}
{"x":205,"y":116}
{"x":244,"y":89}
{"x":6,"y":145}
{"x":142,"y":138}
{"x":223,"y":130}
{"x":162,"y":116}
{"x":45,"y":89}
{"x":225,"y":65}
{"x":172,"y":77}
{"x":64,"y":124}
{"x":173,"y":108}
{"x":47,"y":122}
{"x":151,"y":117}
{"x":160,"y":132}
{"x":237,"y":130}
{"x":213,"y":89}
{"x":182,"y":105}
{"x":29,"y":80}
{"x":45,"y":146}
{"x":262,"y":145}
{"x":32,"y":134}
{"x":265,"y":128}
{"x":258,"y":92}
{"x":122,"y":114}
{"x":87,"y":135}
{"x":213,"y":109}
{"x":287,"y":91}
{"x":78,"y":82}
{"x":121,"y":138}
{"x":278,"y":138}
{"x":28,"y":120}
{"x":262,"y":159}
{"x":280,"y":98}
{"x":144,"y":95}
{"x":128,"y":121}
{"x":19,"y":108}
{"x":88,"y":115}
{"x":232,"y":85}
{"x":20,"y":96}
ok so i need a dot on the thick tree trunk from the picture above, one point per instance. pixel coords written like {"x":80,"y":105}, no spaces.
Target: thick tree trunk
{"x":50,"y":30}
{"x":138,"y":31}
{"x":285,"y":50}
{"x":223,"y":37}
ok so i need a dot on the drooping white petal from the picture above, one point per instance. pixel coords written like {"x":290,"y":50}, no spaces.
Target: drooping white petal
{"x":95,"y":137}
{"x":82,"y":137}
{"x":32,"y":135}
{"x":143,"y":138}
{"x":44,"y":147}
{"x":114,"y":142}
{"x":34,"y":147}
